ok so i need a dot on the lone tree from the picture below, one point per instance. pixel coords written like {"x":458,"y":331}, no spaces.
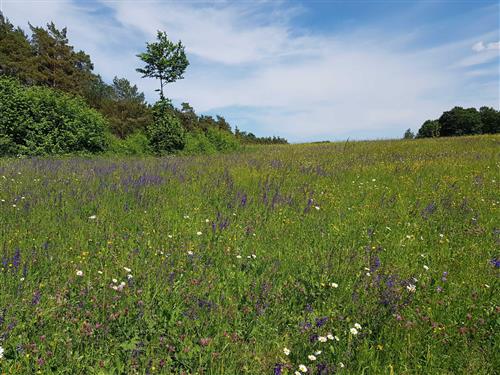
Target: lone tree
{"x":164,"y":60}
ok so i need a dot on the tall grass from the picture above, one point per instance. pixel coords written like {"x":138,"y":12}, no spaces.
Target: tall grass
{"x":371,"y":257}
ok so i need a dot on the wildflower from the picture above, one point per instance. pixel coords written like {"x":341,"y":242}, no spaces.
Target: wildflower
{"x":79,"y":273}
{"x":238,"y":256}
{"x":302,"y":368}
{"x":186,"y":216}
{"x":322,"y":339}
{"x":199,"y":233}
{"x":286,"y":351}
{"x":354,"y":331}
{"x":495,"y":262}
{"x":337,"y":338}
{"x":128,"y":270}
{"x":318,"y":352}
{"x":190,"y":252}
{"x":411,"y":288}
{"x":341,"y":365}
{"x":1,"y":352}
{"x":129,"y":276}
{"x":169,"y":236}
{"x":115,"y":281}
{"x":99,"y":272}
{"x":22,"y":279}
{"x":254,"y":256}
{"x":334,"y":285}
{"x":92,"y":217}
{"x":357,"y":326}
{"x":317,"y":208}
{"x":296,"y":373}
{"x":329,"y":336}
{"x":426,"y":268}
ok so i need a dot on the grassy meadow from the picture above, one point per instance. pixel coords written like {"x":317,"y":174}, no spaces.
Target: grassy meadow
{"x":375,"y":257}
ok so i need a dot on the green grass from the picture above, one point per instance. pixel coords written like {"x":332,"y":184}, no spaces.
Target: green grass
{"x":289,"y":221}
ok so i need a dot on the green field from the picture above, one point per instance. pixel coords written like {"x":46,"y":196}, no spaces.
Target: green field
{"x":216,"y":264}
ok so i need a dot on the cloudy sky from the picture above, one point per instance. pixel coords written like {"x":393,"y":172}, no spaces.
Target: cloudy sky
{"x":305,"y":70}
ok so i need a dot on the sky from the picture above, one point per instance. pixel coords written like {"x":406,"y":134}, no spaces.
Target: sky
{"x":304,"y":70}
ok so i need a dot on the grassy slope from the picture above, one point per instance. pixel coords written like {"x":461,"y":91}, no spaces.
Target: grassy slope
{"x":386,"y":210}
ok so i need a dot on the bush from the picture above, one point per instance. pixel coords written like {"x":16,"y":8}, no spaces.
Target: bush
{"x":429,"y":129}
{"x":42,"y":121}
{"x":134,"y":144}
{"x":166,"y":134}
{"x":222,"y":140}
{"x":198,"y":143}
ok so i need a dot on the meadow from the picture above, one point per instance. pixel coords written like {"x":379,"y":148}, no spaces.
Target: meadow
{"x":377,"y":257}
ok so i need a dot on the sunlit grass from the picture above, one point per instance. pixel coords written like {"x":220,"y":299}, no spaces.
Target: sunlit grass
{"x":374,"y":257}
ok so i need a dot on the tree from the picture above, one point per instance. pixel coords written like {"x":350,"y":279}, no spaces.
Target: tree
{"x":15,"y":52}
{"x":429,"y":129}
{"x":408,"y":134}
{"x":57,"y":64}
{"x":125,"y":108}
{"x":460,"y":121}
{"x":164,"y":60}
{"x":490,"y":119}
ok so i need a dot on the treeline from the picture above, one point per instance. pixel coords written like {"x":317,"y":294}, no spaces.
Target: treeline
{"x":460,"y":121}
{"x":45,"y":58}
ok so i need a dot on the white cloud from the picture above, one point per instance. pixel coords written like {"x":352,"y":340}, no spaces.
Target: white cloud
{"x":282,"y":80}
{"x":481,"y":46}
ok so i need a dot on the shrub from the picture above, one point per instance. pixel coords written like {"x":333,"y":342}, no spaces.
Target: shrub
{"x":166,"y":134}
{"x":222,"y":140}
{"x":429,"y":129}
{"x":198,"y":143}
{"x":42,"y":121}
{"x":134,"y":144}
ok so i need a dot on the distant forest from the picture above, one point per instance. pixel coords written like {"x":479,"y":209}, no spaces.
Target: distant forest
{"x":46,"y":59}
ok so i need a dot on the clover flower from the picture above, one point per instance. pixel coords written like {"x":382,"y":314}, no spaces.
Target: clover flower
{"x":354,"y":331}
{"x":302,"y":368}
{"x":286,"y":351}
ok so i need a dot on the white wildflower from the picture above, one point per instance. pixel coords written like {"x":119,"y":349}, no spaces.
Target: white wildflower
{"x":286,"y":351}
{"x":92,"y":217}
{"x":128,"y":270}
{"x":411,"y":288}
{"x":322,"y":339}
{"x":302,"y":368}
{"x":334,"y":285}
{"x":199,"y":233}
{"x":190,"y":252}
{"x":357,"y":326}
{"x":311,"y":357}
{"x":1,"y":352}
{"x":354,"y":331}
{"x":329,"y":336}
{"x":341,"y":365}
{"x":79,"y":273}
{"x":426,"y":268}
{"x":318,"y":352}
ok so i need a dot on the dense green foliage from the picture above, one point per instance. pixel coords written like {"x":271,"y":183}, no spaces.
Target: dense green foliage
{"x":47,"y":59}
{"x":41,"y":121}
{"x":460,"y":121}
{"x":216,"y":264}
{"x":165,"y":134}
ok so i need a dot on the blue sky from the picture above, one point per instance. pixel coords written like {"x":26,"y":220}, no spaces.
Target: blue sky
{"x":305,"y":70}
